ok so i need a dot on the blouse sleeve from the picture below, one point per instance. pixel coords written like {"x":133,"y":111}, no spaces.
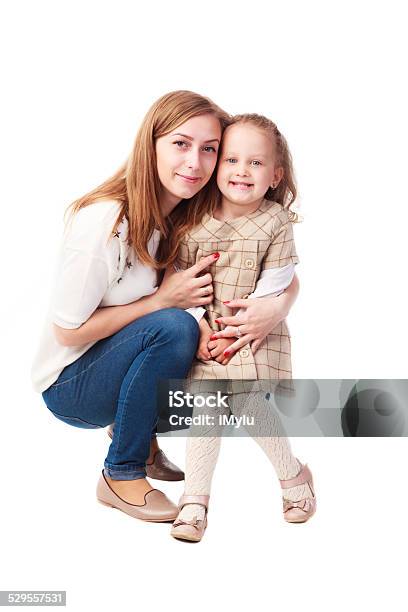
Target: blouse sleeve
{"x":85,"y":269}
{"x":198,"y":312}
{"x":82,"y":281}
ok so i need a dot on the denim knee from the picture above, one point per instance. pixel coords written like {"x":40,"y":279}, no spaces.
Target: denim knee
{"x":182,"y":328}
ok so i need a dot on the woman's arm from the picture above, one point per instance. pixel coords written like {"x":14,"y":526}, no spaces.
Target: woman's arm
{"x":178,"y":290}
{"x":106,"y":321}
{"x":260,"y":319}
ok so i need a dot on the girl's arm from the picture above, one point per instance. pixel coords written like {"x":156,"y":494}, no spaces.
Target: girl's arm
{"x":203,"y":353}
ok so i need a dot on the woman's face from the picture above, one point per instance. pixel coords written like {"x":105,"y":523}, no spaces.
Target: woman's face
{"x":186,"y":158}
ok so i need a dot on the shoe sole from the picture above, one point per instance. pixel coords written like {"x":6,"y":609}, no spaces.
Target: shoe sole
{"x":166,"y":520}
{"x":163,"y":479}
{"x":185,"y":538}
{"x":301,"y":521}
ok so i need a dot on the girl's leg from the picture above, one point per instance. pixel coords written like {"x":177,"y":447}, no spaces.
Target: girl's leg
{"x":116,"y":380}
{"x":202,"y":450}
{"x":268,"y":432}
{"x":201,"y":459}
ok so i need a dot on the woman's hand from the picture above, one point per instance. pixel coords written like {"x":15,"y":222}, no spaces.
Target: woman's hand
{"x":261,"y":317}
{"x":187,"y":289}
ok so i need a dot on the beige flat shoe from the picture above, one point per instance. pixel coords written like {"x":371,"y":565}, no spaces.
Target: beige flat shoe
{"x":158,"y":508}
{"x":161,"y":468}
{"x":302,"y":510}
{"x":191,"y":531}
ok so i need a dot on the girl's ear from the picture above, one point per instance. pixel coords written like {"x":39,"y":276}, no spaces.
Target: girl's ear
{"x":278,"y":175}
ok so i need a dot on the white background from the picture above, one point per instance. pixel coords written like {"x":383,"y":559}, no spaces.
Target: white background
{"x":77,"y":78}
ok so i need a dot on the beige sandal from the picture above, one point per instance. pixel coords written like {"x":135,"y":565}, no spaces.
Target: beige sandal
{"x":299,"y":511}
{"x":193,"y":530}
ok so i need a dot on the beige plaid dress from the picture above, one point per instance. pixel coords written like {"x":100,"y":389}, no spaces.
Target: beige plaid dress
{"x":247,"y":246}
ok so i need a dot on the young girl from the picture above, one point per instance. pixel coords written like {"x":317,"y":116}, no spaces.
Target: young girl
{"x":251,"y":228}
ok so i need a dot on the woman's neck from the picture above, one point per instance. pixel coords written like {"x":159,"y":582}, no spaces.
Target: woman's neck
{"x":168,"y":202}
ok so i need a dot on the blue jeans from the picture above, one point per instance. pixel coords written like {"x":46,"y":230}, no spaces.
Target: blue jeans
{"x":116,"y":380}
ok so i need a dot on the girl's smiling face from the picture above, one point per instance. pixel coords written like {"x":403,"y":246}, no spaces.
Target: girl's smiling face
{"x":247,"y":165}
{"x":186,"y":158}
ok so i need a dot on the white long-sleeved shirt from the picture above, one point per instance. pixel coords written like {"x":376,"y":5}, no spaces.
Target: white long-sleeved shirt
{"x":95,"y":269}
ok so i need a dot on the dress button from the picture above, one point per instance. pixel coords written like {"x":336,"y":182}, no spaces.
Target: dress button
{"x":244,"y":353}
{"x":249,"y":263}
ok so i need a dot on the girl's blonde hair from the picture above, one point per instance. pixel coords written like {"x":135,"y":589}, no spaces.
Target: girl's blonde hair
{"x":286,"y":192}
{"x":137,"y":187}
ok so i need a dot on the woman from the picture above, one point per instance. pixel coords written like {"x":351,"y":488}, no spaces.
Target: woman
{"x":111,"y":334}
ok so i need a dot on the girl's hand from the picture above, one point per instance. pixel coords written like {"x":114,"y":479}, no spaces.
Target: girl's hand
{"x":219,"y":349}
{"x":261,"y":317}
{"x":203,"y":354}
{"x":187,"y":289}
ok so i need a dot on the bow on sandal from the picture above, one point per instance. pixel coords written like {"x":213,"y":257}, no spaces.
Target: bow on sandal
{"x":299,"y":511}
{"x":191,"y":530}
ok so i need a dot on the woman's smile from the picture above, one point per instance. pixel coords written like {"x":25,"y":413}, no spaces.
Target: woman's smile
{"x":189,"y":179}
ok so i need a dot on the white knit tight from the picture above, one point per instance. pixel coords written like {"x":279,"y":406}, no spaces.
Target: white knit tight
{"x":203,"y":447}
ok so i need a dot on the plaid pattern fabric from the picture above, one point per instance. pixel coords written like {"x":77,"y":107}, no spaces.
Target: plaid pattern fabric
{"x":247,"y":246}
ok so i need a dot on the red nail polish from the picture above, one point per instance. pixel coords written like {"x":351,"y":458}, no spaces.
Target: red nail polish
{"x":227,"y":302}
{"x":217,"y":320}
{"x":213,"y":338}
{"x":216,"y":255}
{"x":226,"y":353}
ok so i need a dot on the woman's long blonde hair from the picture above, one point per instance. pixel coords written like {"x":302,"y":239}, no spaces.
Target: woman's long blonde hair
{"x":136,"y":185}
{"x":286,"y":192}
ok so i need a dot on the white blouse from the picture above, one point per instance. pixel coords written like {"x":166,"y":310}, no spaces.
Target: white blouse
{"x":96,"y":268}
